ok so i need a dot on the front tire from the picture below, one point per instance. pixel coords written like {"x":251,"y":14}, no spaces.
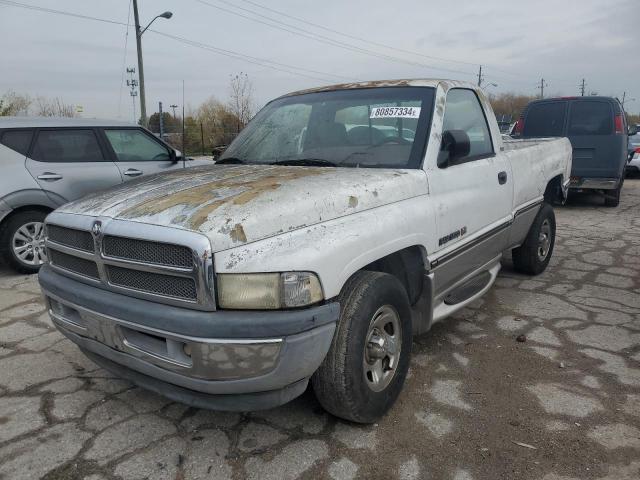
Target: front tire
{"x":22,"y":241}
{"x":364,"y":371}
{"x":533,"y":256}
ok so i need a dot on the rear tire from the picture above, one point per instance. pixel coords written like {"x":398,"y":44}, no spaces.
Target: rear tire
{"x":612,"y":197}
{"x":22,"y":241}
{"x":532,"y":257}
{"x":364,"y":371}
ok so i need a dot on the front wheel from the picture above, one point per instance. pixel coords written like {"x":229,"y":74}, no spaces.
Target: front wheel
{"x":533,"y":256}
{"x":364,"y":371}
{"x":22,"y":241}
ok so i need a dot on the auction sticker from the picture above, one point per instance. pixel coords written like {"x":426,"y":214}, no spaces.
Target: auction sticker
{"x":395,"y":112}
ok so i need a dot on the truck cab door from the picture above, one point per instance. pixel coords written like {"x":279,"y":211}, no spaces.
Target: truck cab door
{"x":69,"y":163}
{"x":472,"y":195}
{"x":136,"y":152}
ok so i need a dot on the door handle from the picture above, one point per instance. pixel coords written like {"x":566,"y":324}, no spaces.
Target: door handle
{"x":132,"y":172}
{"x":50,"y":177}
{"x":502,"y":178}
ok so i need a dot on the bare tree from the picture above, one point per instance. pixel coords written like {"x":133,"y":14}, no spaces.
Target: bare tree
{"x":12,"y":103}
{"x":54,"y":108}
{"x":241,"y":101}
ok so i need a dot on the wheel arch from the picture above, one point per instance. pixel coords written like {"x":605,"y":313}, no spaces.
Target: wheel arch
{"x":554,"y":191}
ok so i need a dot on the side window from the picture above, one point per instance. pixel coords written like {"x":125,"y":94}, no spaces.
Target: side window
{"x":464,"y":112}
{"x":545,"y":119}
{"x":66,"y":146}
{"x":18,"y":140}
{"x":133,"y":145}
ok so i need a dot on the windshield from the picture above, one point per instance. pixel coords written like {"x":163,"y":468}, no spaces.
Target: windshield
{"x":377,"y":127}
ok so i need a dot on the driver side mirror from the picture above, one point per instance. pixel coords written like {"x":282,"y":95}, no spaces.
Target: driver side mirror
{"x":455,"y":145}
{"x":633,"y":130}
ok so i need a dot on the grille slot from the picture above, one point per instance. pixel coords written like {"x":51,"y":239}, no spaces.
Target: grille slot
{"x":148,"y":252}
{"x":71,"y":237}
{"x":169,"y":285}
{"x":77,"y":265}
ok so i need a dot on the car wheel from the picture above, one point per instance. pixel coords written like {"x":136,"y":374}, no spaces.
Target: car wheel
{"x":532,"y":257}
{"x":22,"y":241}
{"x":612,"y":197}
{"x":365,"y":368}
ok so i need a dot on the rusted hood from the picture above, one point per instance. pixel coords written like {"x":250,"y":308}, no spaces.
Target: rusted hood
{"x":236,"y":204}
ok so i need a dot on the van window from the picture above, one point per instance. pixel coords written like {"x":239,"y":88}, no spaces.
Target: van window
{"x":590,"y":118}
{"x":463,"y":112}
{"x":133,"y":145}
{"x":545,"y":120}
{"x":18,"y":140}
{"x":67,"y":145}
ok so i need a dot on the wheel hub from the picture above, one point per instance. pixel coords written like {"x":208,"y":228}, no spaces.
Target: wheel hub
{"x":544,"y":240}
{"x":28,"y":244}
{"x":382,"y":348}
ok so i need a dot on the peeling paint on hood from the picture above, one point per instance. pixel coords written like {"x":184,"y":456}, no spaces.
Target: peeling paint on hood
{"x":238,"y":204}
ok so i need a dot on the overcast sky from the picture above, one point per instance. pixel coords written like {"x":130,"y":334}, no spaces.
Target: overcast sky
{"x":518,"y":42}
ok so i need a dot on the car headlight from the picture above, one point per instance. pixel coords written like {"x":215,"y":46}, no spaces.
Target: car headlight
{"x":268,"y":291}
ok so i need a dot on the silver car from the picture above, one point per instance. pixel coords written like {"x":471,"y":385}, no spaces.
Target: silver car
{"x":46,"y":162}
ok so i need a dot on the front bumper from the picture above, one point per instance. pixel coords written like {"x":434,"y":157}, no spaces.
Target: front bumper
{"x":594,"y":183}
{"x":222,"y":360}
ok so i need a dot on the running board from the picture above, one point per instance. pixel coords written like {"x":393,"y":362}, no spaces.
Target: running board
{"x":442,"y":309}
{"x":468,"y":289}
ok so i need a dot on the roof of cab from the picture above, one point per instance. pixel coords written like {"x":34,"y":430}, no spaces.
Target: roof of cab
{"x":417,"y":82}
{"x":49,"y":122}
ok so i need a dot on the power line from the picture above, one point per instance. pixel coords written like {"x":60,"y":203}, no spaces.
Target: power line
{"x":254,"y":60}
{"x":287,"y":27}
{"x":60,"y":12}
{"x":239,"y":56}
{"x":347,"y":35}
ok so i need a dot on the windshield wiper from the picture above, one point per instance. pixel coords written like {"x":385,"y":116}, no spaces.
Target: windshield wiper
{"x":230,"y":160}
{"x":316,"y":162}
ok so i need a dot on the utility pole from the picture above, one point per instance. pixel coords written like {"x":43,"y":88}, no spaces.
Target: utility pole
{"x":624,"y":96}
{"x":543,"y":84}
{"x":133,"y":83}
{"x":143,"y":101}
{"x":173,"y":107}
{"x":582,"y":87}
{"x":480,"y":78}
{"x":161,"y":120}
{"x":139,"y":32}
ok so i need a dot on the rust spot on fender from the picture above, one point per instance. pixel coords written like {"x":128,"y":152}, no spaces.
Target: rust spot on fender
{"x":237,"y":234}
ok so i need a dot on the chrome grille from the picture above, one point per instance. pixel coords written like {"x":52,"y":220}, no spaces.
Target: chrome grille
{"x":83,"y":267}
{"x":159,"y":263}
{"x":71,"y":237}
{"x":173,"y":286}
{"x":147,"y":252}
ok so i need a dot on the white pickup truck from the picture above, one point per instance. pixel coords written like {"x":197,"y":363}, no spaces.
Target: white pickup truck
{"x":340,"y":221}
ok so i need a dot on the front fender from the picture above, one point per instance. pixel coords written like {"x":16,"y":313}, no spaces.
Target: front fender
{"x":336,"y":249}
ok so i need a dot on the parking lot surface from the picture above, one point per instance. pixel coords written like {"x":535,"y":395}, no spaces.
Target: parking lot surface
{"x":478,"y":404}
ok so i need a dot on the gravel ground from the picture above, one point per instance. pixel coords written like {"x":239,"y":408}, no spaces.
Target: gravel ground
{"x":563,"y":405}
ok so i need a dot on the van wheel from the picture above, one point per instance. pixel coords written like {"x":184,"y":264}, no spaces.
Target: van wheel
{"x":612,"y":197}
{"x":22,"y":241}
{"x":364,"y":371}
{"x":533,"y":256}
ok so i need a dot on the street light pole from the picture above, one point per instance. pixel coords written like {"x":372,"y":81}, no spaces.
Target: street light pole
{"x":143,"y":101}
{"x":139,"y":32}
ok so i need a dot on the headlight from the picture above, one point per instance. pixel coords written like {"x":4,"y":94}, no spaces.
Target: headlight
{"x":268,"y":291}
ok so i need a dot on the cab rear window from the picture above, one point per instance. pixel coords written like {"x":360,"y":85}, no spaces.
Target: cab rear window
{"x":545,"y":120}
{"x":590,"y":118}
